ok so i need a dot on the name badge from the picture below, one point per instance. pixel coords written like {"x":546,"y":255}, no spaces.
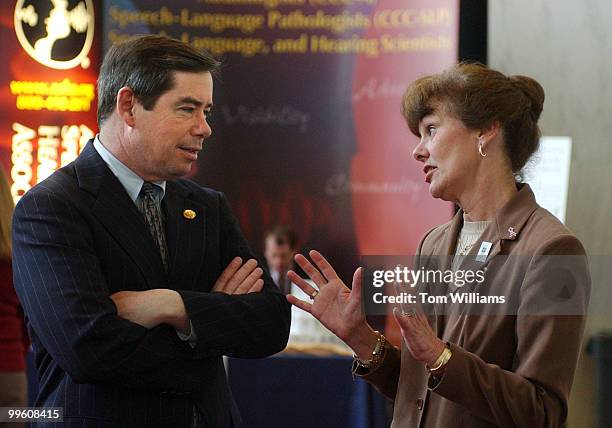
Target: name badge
{"x":483,"y":252}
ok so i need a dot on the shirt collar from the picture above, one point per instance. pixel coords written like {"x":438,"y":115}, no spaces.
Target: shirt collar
{"x":128,"y":178}
{"x":275,"y":275}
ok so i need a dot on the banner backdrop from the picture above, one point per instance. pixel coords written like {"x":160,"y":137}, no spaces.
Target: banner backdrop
{"x":307,"y":128}
{"x":51,"y":56}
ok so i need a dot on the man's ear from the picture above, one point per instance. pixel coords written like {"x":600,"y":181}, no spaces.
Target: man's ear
{"x":126,"y":102}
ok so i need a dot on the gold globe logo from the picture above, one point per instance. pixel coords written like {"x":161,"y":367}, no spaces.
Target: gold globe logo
{"x":56,"y":33}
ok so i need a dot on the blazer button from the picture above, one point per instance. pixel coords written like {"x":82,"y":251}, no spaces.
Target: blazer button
{"x":419,"y":403}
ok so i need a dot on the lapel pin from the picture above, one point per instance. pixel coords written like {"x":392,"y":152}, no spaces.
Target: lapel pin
{"x":483,"y":252}
{"x":511,"y":232}
{"x":189,"y":214}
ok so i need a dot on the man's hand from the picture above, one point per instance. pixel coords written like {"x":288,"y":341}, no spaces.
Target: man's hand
{"x":238,"y":278}
{"x":152,"y":307}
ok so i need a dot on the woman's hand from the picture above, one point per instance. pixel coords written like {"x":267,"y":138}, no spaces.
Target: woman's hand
{"x":336,"y":306}
{"x":420,"y":339}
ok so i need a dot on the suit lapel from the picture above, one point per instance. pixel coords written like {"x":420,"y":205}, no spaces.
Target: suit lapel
{"x":119,"y":215}
{"x":186,"y":235}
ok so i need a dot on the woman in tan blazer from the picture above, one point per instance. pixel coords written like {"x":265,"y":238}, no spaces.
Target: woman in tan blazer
{"x":477,"y":129}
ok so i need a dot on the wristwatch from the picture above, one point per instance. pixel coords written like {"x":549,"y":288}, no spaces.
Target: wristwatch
{"x":361,"y":367}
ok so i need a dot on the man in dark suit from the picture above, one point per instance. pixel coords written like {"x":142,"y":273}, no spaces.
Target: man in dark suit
{"x":132,"y":279}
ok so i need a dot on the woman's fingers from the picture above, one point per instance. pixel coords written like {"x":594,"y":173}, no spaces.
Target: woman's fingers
{"x":405,"y":320}
{"x":356,"y":284}
{"x":406,"y":308}
{"x":412,"y":322}
{"x":420,"y":339}
{"x":305,"y":306}
{"x":421,"y":318}
{"x":301,"y":282}
{"x":323,"y":264}
{"x":310,"y":270}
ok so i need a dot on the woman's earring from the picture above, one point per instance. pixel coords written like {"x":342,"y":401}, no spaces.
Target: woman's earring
{"x":482,"y":153}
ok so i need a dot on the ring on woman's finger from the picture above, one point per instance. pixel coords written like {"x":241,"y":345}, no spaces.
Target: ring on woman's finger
{"x":314,"y":294}
{"x":410,"y":313}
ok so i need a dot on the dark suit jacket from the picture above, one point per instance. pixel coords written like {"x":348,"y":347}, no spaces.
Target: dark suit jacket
{"x":506,"y":370}
{"x":78,"y":238}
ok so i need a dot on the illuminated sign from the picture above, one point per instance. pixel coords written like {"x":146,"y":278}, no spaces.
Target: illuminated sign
{"x":48,"y":111}
{"x":53,"y":96}
{"x":57,"y":146}
{"x":56,"y":33}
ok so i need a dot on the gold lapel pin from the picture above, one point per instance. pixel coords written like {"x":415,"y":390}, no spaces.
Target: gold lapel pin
{"x":189,"y":214}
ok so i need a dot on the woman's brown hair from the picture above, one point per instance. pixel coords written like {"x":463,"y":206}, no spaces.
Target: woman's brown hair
{"x":6,"y":216}
{"x":480,"y":96}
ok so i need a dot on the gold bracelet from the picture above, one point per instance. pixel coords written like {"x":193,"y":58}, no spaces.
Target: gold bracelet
{"x":442,"y":359}
{"x":377,"y":354}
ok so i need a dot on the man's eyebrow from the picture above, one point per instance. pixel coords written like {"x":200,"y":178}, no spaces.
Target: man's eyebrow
{"x":191,"y":100}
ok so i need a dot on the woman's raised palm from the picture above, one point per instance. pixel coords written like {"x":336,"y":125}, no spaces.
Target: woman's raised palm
{"x":336,"y":306}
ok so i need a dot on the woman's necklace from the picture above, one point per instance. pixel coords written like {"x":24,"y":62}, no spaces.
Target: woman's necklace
{"x":465,"y":250}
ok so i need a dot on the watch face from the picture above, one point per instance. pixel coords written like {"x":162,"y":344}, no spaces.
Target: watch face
{"x":358,"y":368}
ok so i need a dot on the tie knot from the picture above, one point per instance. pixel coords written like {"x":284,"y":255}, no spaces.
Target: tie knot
{"x":148,"y":189}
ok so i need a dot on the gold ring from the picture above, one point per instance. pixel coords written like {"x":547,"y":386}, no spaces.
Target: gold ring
{"x":314,"y":294}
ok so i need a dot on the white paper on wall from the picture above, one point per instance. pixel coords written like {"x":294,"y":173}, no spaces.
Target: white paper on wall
{"x":548,"y":174}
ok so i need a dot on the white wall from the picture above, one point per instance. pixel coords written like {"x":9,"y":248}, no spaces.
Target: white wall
{"x":567,"y":46}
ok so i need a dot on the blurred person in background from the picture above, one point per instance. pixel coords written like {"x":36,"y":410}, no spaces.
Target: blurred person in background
{"x":280,"y":247}
{"x":13,"y":337}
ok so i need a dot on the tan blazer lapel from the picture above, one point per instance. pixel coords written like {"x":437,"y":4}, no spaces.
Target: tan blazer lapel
{"x":445,"y":247}
{"x":439,"y":257}
{"x":504,"y":228}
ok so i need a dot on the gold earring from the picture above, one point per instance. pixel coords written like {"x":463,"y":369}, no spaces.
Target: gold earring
{"x":480,"y":150}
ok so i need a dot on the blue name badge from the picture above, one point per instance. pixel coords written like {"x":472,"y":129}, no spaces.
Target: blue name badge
{"x":483,"y":252}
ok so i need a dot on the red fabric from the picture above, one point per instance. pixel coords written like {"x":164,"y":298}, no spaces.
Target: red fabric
{"x":14,"y":340}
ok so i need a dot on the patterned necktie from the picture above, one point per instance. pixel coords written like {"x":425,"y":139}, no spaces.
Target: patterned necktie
{"x":153,"y":218}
